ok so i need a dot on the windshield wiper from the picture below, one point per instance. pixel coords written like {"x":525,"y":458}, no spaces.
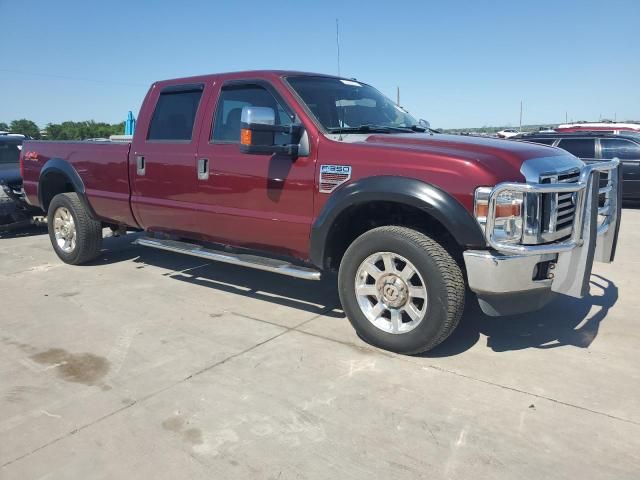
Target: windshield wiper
{"x":371,"y":128}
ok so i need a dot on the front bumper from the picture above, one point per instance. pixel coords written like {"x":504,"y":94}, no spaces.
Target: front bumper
{"x":511,"y":279}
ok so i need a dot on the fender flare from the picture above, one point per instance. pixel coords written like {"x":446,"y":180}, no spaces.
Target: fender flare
{"x":64,"y":168}
{"x":409,"y":191}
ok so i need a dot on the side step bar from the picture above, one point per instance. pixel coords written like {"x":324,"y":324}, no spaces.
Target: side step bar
{"x":241,"y":259}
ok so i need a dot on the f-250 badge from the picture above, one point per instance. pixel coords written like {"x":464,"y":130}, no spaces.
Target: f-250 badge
{"x":332,"y":176}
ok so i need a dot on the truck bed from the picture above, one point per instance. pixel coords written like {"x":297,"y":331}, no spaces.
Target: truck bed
{"x":103,"y":167}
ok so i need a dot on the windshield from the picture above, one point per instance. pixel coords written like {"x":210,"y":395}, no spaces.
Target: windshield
{"x":340,"y":105}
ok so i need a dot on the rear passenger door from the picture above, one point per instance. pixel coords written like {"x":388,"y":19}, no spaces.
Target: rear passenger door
{"x":629,"y":154}
{"x":163,"y":159}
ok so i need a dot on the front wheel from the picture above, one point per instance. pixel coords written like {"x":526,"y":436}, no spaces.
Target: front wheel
{"x":76,"y":237}
{"x":401,"y":290}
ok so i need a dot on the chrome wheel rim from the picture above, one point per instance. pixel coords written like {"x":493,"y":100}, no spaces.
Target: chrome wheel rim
{"x":391,"y":292}
{"x":64,"y":229}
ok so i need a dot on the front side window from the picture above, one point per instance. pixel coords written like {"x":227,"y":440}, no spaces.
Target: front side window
{"x":580,"y":147}
{"x":175,"y":115}
{"x":339,"y":104}
{"x":226,"y":125}
{"x":618,"y":147}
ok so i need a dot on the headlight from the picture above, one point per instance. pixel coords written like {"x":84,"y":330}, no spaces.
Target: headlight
{"x":508,"y":214}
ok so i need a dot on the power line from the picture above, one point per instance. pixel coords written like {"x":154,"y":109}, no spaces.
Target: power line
{"x":78,"y":79}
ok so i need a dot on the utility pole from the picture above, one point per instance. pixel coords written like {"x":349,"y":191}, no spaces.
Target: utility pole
{"x":566,"y":117}
{"x":398,"y":96}
{"x":520,"y":115}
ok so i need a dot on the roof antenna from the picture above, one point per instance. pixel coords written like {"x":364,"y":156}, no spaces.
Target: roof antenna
{"x":338,"y":43}
{"x":340,"y":121}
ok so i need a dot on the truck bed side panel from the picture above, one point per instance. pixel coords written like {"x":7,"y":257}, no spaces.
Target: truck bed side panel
{"x":103,"y":168}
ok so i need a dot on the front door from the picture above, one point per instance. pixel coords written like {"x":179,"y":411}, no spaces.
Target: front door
{"x":263,"y":202}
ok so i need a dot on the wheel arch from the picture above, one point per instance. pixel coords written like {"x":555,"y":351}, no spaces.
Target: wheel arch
{"x":404,"y":200}
{"x":59,"y":176}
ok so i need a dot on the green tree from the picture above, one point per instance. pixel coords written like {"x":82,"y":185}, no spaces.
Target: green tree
{"x":25,"y":127}
{"x":83,"y":130}
{"x":4,"y":127}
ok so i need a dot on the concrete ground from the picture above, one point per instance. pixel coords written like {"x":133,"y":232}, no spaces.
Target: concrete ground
{"x":153,"y":365}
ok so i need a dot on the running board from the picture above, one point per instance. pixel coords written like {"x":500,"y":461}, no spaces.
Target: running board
{"x":241,"y":259}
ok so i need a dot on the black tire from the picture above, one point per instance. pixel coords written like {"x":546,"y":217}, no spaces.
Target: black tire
{"x":444,"y":283}
{"x":88,"y":234}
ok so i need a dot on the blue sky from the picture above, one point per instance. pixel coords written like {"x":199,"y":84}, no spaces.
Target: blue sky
{"x":458,"y":64}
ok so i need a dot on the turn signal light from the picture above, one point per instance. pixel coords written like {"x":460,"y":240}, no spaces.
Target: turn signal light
{"x":245,"y":136}
{"x":502,"y":210}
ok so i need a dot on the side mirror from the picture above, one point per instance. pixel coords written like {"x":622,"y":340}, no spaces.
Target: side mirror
{"x":258,"y":129}
{"x":424,"y":124}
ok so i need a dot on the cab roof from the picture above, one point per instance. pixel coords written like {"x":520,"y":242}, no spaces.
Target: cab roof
{"x":246,"y":74}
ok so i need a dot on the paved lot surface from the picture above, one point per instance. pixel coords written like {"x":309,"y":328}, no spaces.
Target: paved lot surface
{"x":152,"y":365}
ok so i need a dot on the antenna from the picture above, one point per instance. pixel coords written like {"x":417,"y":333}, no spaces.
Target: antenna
{"x":520,"y":115}
{"x":338,"y":43}
{"x":340,"y":120}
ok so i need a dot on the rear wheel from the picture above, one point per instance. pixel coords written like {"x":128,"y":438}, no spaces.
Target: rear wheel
{"x":75,"y":236}
{"x":401,"y":290}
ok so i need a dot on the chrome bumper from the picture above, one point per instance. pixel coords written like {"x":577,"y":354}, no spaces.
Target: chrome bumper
{"x":514,"y":269}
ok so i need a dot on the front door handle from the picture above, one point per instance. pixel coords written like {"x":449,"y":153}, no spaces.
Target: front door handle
{"x":203,"y":169}
{"x":140,"y":165}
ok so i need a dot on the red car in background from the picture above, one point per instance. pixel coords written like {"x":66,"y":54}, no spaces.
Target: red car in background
{"x":600,"y":127}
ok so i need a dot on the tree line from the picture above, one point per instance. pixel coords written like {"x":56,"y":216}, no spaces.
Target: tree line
{"x":65,"y":130}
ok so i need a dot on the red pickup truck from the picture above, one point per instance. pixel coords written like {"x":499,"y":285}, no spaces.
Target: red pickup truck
{"x":300,"y":173}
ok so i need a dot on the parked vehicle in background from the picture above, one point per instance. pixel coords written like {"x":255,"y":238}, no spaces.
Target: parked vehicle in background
{"x":507,"y":133}
{"x":14,"y":211}
{"x":597,"y":146}
{"x":300,"y":174}
{"x":601,"y":127}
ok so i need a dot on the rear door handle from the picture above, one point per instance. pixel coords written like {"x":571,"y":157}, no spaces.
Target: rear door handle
{"x":140,"y":165}
{"x":203,"y":169}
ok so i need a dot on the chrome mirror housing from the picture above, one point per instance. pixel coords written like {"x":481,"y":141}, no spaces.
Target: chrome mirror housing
{"x":258,"y":116}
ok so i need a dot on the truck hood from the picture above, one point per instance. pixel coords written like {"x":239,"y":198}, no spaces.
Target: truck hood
{"x":503,"y":157}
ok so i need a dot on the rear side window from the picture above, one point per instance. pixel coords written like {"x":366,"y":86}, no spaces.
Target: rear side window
{"x":9,"y":153}
{"x":580,"y":147}
{"x":226,"y":125}
{"x":618,"y":147}
{"x":175,"y":113}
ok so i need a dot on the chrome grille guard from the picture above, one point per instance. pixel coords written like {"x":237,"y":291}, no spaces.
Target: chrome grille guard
{"x":589,"y":239}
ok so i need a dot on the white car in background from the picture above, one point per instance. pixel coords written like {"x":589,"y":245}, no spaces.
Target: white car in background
{"x":507,"y":133}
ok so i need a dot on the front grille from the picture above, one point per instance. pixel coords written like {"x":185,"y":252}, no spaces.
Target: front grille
{"x":558,"y":209}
